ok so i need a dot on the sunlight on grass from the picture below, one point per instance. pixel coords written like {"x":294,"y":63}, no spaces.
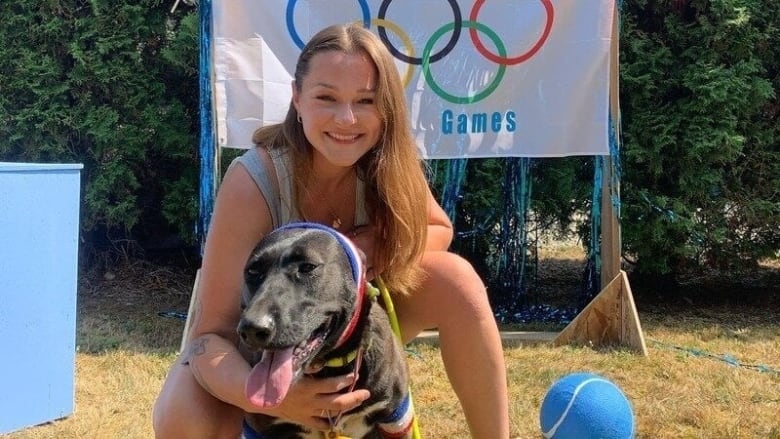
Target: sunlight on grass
{"x":710,"y":373}
{"x":115,"y":391}
{"x":675,"y":394}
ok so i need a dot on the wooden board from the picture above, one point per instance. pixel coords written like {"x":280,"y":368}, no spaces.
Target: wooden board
{"x":610,"y":319}
{"x":185,"y":334}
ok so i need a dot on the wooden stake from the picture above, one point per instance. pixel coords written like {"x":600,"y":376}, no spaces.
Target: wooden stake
{"x":609,"y":319}
{"x":185,"y":334}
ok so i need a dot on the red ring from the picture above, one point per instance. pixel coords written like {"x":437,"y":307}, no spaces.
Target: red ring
{"x":550,"y":10}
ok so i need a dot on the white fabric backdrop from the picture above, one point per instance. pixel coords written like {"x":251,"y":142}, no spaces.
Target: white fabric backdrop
{"x":547,"y":96}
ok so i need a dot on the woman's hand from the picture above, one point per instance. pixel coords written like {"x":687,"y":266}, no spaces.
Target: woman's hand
{"x":311,"y":400}
{"x":364,"y":238}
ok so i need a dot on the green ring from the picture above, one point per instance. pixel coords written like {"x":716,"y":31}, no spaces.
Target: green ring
{"x":426,"y":65}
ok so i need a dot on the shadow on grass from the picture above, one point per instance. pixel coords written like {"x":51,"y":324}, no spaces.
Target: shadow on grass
{"x":121,"y":309}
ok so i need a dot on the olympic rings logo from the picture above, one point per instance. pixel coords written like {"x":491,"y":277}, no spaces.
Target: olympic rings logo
{"x":454,"y":28}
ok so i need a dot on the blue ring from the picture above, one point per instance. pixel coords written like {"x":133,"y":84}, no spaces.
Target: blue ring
{"x":294,"y":33}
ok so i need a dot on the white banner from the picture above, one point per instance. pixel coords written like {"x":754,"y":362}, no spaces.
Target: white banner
{"x":494,"y":78}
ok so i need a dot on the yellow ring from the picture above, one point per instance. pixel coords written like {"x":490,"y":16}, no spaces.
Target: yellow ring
{"x":405,"y":40}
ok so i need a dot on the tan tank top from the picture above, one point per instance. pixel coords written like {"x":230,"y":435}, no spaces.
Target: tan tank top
{"x":276,"y":185}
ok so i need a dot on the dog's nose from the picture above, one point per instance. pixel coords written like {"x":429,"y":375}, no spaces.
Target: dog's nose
{"x":256,"y":333}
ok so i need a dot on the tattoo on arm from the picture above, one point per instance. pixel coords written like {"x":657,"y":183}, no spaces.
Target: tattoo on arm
{"x":196,"y":348}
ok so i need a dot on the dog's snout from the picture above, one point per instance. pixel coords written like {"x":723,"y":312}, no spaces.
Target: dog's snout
{"x":256,"y":333}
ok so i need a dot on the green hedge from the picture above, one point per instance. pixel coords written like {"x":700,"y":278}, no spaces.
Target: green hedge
{"x":113,"y":85}
{"x":701,"y":151}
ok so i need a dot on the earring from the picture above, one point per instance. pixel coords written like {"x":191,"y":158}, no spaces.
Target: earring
{"x":299,"y":118}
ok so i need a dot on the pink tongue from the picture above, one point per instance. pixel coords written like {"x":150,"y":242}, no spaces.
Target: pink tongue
{"x":270,"y":379}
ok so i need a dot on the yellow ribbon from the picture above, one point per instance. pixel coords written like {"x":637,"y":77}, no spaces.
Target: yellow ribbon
{"x":388,"y":301}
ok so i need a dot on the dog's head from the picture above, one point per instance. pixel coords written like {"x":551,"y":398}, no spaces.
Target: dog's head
{"x":302,"y":294}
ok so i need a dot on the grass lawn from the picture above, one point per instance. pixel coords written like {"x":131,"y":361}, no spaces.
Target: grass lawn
{"x":713,"y":369}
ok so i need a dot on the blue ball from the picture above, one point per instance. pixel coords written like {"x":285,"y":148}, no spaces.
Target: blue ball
{"x":586,"y":406}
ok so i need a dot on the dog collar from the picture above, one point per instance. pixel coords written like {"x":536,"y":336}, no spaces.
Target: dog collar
{"x":355,"y":263}
{"x":345,"y":359}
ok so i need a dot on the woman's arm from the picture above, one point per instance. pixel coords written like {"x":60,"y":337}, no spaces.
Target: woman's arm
{"x":240,"y":219}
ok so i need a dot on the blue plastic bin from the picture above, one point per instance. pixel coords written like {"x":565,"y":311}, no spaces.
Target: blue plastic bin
{"x":39,"y":218}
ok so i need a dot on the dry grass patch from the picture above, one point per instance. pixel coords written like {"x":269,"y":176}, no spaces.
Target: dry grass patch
{"x":685,"y":388}
{"x":675,"y":393}
{"x":115,"y":391}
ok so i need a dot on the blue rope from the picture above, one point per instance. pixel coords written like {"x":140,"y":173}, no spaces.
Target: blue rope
{"x":726,"y":358}
{"x":207,"y":145}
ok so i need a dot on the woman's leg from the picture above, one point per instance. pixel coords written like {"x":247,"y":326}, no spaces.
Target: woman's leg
{"x":453,"y":299}
{"x":185,"y":410}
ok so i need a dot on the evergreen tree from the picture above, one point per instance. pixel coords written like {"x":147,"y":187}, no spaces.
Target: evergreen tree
{"x":112,"y":85}
{"x":700,"y":122}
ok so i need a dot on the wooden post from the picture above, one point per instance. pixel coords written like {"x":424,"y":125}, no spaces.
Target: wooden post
{"x":611,"y":317}
{"x":194,"y":297}
{"x":611,"y":244}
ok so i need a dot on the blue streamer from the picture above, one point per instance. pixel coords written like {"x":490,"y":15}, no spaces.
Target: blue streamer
{"x":453,"y":186}
{"x":591,"y":278}
{"x":513,"y":237}
{"x":616,"y":166}
{"x":591,"y":283}
{"x":207,"y":142}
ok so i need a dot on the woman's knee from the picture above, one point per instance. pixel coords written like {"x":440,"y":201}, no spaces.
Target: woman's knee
{"x":448,"y":263}
{"x":450,"y":276}
{"x":185,"y":410}
{"x":451,"y":289}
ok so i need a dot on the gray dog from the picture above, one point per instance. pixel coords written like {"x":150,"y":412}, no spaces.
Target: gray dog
{"x":304,"y":311}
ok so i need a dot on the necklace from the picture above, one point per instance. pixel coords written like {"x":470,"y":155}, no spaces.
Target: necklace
{"x":336,"y":221}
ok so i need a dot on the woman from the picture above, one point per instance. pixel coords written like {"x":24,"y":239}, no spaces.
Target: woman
{"x":344,"y":156}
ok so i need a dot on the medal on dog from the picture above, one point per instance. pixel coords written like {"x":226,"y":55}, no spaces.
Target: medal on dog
{"x":333,"y":434}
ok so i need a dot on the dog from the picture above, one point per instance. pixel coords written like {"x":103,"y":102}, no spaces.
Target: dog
{"x":304,"y":310}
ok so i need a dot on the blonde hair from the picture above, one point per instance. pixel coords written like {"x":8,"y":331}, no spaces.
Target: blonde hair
{"x":393,"y":172}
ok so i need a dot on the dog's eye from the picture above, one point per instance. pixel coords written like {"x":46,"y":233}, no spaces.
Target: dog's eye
{"x":254,"y":274}
{"x":305,"y":267}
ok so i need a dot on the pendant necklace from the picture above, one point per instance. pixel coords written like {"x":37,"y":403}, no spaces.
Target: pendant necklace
{"x":336,"y":219}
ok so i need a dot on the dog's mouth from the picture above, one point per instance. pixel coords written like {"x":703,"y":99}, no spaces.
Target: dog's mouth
{"x":271,"y":378}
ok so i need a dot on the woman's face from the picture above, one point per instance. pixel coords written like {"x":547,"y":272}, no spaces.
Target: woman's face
{"x":337,"y":106}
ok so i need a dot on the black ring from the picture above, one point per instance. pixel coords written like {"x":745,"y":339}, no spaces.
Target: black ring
{"x":458,"y":20}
